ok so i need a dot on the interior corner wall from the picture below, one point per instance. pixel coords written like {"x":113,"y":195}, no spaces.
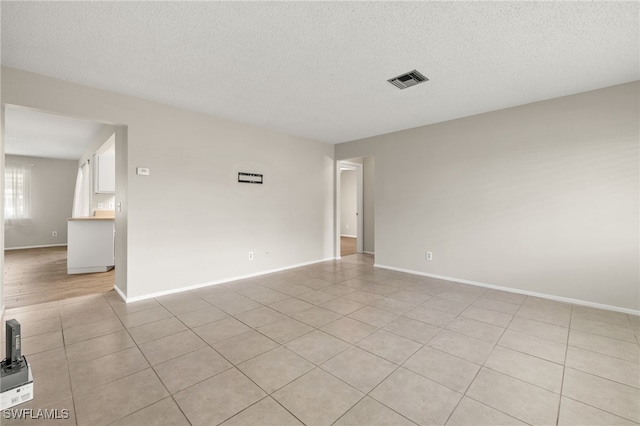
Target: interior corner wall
{"x":190,"y":222}
{"x":541,"y":198}
{"x":52,"y":186}
{"x":368,"y":189}
{"x":348,"y":204}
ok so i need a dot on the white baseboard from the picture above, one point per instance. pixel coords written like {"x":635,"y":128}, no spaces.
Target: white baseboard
{"x":32,"y":247}
{"x":518,"y":291}
{"x":369,"y":252}
{"x":348,"y":236}
{"x":211,"y":283}
{"x":120,"y":293}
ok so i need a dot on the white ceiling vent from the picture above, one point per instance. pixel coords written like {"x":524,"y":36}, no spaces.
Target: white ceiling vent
{"x":408,"y":79}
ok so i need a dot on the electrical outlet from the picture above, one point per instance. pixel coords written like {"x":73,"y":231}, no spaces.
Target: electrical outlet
{"x":347,"y":226}
{"x":54,"y":234}
{"x":111,"y":206}
{"x":250,"y":255}
{"x":428,"y":255}
{"x":100,"y":205}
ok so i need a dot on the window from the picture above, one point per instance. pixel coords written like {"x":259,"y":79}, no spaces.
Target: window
{"x":17,"y":194}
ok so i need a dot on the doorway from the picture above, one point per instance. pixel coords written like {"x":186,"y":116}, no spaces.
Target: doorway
{"x":355,"y":210}
{"x":50,"y":148}
{"x":350,"y":207}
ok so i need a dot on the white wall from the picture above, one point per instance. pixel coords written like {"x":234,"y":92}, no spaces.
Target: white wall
{"x":52,"y":186}
{"x":190,"y":222}
{"x":541,"y":197}
{"x":368,"y":172}
{"x":348,"y":203}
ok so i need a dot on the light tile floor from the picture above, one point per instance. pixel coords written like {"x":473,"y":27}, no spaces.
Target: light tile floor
{"x":339,"y":343}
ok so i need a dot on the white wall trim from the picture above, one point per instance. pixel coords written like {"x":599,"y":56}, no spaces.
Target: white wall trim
{"x":211,"y":283}
{"x":518,"y":291}
{"x":32,"y":247}
{"x":348,"y":236}
{"x":369,"y":252}
{"x":2,"y":310}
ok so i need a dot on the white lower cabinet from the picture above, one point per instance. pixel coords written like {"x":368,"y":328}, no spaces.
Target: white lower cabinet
{"x":90,"y":245}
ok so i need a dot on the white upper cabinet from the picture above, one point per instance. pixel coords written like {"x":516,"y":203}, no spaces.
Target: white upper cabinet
{"x":105,"y":173}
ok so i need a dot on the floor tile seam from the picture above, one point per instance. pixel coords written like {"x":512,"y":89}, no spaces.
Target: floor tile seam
{"x":531,"y":355}
{"x":353,"y":387}
{"x":93,"y":337}
{"x":497,"y":409}
{"x":47,"y":349}
{"x":257,"y":402}
{"x":140,"y":409}
{"x":248,"y":359}
{"x":90,"y":387}
{"x":408,"y":338}
{"x":291,"y":340}
{"x":564,"y":369}
{"x":602,"y":335}
{"x":494,"y":309}
{"x":428,"y":323}
{"x":479,"y":338}
{"x":86,"y":361}
{"x":461,"y":315}
{"x":604,"y":355}
{"x":68,"y":375}
{"x":469,"y":337}
{"x":258,"y":331}
{"x":379,"y":402}
{"x":230,"y":367}
{"x":484,"y":296}
{"x":443,"y":384}
{"x":605,"y":323}
{"x":189,"y":311}
{"x":426,"y":345}
{"x":146,"y":406}
{"x":536,"y":336}
{"x":161,"y":337}
{"x":392,"y":409}
{"x":464,"y":394}
{"x":453,"y":299}
{"x":126,"y":330}
{"x":442,"y":310}
{"x":328,"y":359}
{"x":519,"y":314}
{"x":237,"y":367}
{"x":631,"y":387}
{"x":6,"y":314}
{"x":355,"y":345}
{"x":380,"y":356}
{"x":559,"y":394}
{"x":597,"y":408}
{"x":496,"y":344}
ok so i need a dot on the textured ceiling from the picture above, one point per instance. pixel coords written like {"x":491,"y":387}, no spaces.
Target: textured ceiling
{"x":37,"y":134}
{"x":319,"y":69}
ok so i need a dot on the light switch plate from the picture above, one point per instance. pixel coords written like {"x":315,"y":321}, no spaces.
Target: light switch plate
{"x":142,"y":171}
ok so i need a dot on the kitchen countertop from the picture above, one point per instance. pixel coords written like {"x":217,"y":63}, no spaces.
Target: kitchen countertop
{"x":98,"y":215}
{"x":91,"y":218}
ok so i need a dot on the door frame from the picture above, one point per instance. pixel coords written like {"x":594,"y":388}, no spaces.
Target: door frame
{"x":358,"y":168}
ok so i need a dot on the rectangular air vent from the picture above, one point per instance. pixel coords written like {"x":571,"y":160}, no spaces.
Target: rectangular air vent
{"x":408,"y":79}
